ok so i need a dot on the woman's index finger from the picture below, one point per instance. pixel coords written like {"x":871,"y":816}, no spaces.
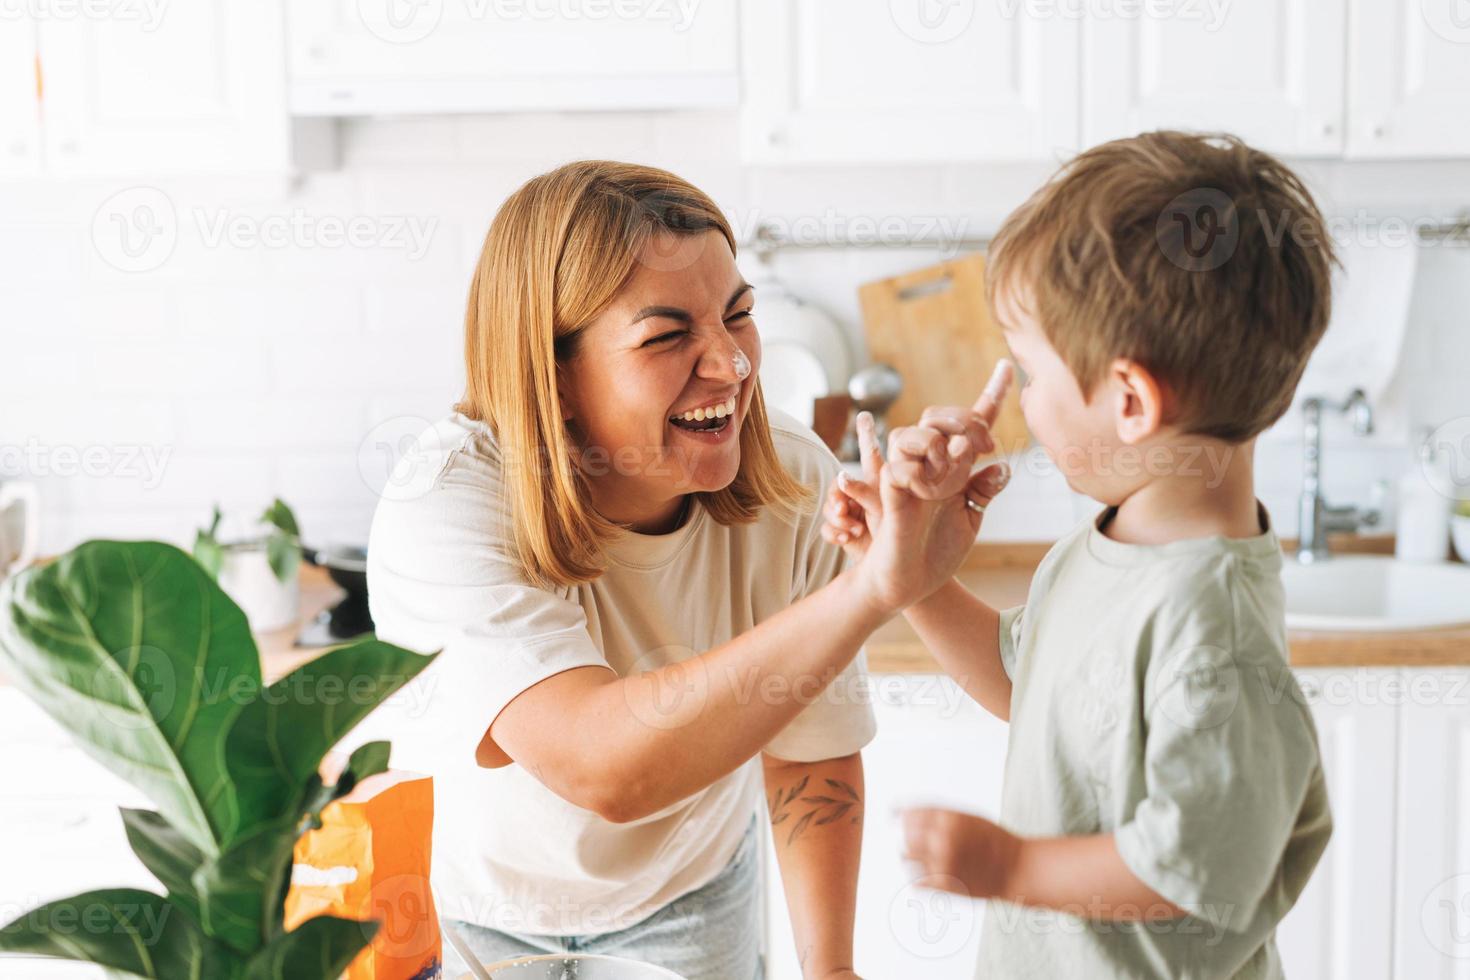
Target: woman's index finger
{"x":868,"y":454}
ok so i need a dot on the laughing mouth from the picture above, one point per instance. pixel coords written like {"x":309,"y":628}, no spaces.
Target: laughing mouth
{"x":711,"y":418}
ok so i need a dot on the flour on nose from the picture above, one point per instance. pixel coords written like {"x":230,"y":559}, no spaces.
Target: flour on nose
{"x":742,"y":365}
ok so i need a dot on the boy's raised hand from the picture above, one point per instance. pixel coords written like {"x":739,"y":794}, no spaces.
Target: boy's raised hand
{"x":931,"y":460}
{"x":916,"y":516}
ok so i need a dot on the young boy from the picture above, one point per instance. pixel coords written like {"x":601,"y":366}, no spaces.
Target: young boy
{"x":1164,"y":802}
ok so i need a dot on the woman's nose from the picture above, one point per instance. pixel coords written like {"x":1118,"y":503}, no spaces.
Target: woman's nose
{"x":723,"y":360}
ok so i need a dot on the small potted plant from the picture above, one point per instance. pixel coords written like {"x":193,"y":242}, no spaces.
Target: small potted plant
{"x":145,"y":661}
{"x":1460,"y":530}
{"x":258,"y":567}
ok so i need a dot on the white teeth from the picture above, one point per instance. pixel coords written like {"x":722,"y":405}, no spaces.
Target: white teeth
{"x":720,"y":411}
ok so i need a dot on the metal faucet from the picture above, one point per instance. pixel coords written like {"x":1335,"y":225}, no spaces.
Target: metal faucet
{"x":1317,"y":517}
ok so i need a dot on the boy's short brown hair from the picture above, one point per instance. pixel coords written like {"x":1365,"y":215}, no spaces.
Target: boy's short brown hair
{"x":1202,"y":259}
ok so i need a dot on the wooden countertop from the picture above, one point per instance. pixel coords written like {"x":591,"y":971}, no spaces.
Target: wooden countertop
{"x":1000,"y":573}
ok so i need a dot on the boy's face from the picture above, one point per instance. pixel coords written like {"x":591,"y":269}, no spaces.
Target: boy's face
{"x":1079,"y":434}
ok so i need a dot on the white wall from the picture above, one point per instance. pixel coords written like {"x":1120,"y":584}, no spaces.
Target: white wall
{"x":249,"y":369}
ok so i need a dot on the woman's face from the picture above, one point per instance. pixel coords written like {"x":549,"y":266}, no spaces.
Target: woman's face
{"x":678,"y":339}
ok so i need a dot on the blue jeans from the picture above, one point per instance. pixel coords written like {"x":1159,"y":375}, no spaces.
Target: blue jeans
{"x":712,"y":933}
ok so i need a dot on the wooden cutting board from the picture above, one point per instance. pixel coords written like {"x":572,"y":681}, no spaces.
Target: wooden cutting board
{"x":934,"y":327}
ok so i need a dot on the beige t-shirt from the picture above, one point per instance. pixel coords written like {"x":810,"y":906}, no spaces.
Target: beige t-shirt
{"x":508,"y":852}
{"x":1151,"y":699}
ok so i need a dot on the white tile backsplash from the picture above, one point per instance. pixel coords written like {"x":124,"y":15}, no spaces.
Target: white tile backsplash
{"x":262,"y":353}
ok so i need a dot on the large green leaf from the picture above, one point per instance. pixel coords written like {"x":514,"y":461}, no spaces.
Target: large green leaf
{"x":167,"y":853}
{"x":279,"y":740}
{"x":319,"y":947}
{"x":122,"y":929}
{"x":133,"y":649}
{"x":239,"y":896}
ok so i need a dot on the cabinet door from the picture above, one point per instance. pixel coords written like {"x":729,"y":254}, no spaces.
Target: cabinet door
{"x":836,"y":81}
{"x":1409,"y":84}
{"x":1433,"y":894}
{"x":934,"y":746}
{"x":20,"y":135}
{"x":352,"y":57}
{"x":1270,"y":71}
{"x":194,"y":87}
{"x":1341,"y":927}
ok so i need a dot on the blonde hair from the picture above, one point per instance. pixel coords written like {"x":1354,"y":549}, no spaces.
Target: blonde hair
{"x":1200,"y":258}
{"x":560,"y":248}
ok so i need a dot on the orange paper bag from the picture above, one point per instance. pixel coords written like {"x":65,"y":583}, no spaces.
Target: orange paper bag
{"x":370,"y":860}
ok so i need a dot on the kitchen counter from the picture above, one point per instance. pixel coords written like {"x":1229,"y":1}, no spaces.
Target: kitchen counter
{"x":1000,"y":573}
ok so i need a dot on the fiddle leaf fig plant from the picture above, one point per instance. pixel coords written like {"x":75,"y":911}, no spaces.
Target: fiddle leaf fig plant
{"x":133,"y":649}
{"x":280,"y":536}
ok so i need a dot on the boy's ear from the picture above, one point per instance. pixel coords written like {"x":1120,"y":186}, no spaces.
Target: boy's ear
{"x":1140,"y":401}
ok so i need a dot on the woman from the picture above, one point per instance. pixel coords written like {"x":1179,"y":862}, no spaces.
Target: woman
{"x":617,"y":548}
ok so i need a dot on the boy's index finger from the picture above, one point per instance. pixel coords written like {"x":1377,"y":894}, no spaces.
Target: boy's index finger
{"x":987,"y":406}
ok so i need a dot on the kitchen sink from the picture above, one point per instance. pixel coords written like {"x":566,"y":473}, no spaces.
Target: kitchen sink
{"x":1375,"y":593}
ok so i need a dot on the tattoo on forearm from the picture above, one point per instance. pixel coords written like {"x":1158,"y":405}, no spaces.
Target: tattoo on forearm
{"x":823,"y":808}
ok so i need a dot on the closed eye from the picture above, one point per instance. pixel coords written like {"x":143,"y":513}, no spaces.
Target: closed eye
{"x":664,"y":338}
{"x":742,"y":316}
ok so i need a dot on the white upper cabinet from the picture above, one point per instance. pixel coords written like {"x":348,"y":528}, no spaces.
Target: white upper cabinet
{"x":1409,"y":88}
{"x":1270,"y":71}
{"x":353,"y":57}
{"x":196,"y":87}
{"x":906,"y":80}
{"x":20,"y":133}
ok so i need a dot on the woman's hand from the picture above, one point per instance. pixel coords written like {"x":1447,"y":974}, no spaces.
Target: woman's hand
{"x":960,"y":852}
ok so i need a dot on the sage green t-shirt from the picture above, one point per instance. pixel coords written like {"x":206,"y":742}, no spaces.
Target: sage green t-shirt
{"x":1152,"y":700}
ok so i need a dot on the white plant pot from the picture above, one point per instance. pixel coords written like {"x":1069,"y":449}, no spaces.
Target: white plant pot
{"x":246,"y":576}
{"x":1460,"y":535}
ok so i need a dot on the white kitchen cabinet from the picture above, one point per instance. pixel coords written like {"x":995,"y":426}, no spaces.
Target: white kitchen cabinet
{"x":194,"y":87}
{"x":1341,"y":927}
{"x":20,"y":133}
{"x":1409,"y":87}
{"x":831,"y":81}
{"x":356,"y":57}
{"x":1432,"y":934}
{"x":934,"y":746}
{"x":1270,"y":71}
